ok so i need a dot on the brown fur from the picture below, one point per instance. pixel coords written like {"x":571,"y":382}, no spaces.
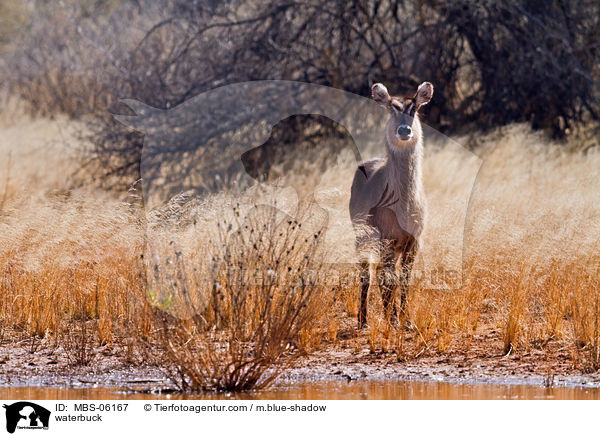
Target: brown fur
{"x":387,"y":197}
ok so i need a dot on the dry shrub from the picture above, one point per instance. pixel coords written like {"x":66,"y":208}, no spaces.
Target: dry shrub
{"x":232,"y":314}
{"x":67,"y":58}
{"x":80,"y":58}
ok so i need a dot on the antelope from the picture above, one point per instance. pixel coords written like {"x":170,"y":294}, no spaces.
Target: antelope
{"x":388,"y":200}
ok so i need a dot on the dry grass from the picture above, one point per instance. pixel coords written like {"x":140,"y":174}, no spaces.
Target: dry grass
{"x":530,"y":262}
{"x":74,"y":265}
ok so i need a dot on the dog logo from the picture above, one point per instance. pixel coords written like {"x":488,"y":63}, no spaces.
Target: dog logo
{"x":26,"y":415}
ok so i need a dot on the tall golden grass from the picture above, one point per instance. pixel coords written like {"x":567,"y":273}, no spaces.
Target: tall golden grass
{"x":75,"y":264}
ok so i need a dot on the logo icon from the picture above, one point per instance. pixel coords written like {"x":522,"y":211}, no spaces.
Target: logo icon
{"x":26,"y":415}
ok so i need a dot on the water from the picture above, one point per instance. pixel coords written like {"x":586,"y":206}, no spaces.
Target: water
{"x":355,"y":390}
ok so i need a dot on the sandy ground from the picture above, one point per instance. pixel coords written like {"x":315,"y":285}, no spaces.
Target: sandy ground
{"x":348,"y":359}
{"x":482,"y":362}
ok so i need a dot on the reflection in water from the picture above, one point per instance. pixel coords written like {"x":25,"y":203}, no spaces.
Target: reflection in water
{"x":380,"y":390}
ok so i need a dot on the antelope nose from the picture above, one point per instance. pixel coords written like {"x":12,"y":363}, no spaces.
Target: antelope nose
{"x":404,"y":132}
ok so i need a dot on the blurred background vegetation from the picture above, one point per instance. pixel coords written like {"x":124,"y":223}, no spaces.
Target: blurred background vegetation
{"x":492,"y":63}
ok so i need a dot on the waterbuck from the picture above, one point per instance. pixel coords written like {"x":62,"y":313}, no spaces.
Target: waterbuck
{"x":387,"y":202}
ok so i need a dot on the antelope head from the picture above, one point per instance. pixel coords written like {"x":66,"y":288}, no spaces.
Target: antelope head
{"x":403,"y":129}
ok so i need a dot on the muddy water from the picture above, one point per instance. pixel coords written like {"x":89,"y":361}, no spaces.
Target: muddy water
{"x":388,"y":390}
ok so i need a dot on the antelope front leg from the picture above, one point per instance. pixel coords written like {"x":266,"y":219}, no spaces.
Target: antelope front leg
{"x":388,"y":282}
{"x":404,"y":280}
{"x":364,"y":295}
{"x":408,"y":259}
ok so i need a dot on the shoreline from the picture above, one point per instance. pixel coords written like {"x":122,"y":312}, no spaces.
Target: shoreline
{"x":46,"y":368}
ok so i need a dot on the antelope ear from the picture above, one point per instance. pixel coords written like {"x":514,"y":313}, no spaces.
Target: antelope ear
{"x":380,"y":94}
{"x":424,"y":94}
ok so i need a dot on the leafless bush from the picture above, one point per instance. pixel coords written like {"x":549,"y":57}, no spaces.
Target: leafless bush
{"x":235,"y":322}
{"x":532,"y":62}
{"x":492,"y":63}
{"x":77,"y":338}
